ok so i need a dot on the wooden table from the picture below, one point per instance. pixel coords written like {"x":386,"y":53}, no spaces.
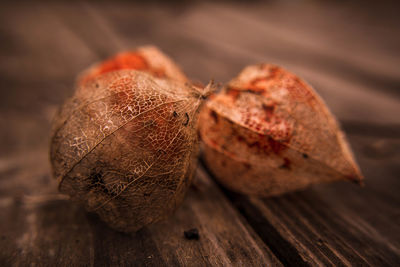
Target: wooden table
{"x":350,"y":53}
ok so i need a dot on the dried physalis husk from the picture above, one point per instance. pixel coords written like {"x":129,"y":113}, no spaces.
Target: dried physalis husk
{"x":125,"y":146}
{"x":268,"y":133}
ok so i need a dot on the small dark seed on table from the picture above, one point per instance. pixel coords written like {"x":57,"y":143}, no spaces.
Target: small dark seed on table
{"x":192,"y":234}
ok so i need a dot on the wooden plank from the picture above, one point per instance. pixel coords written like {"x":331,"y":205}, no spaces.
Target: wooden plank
{"x":289,"y":32}
{"x":336,"y":224}
{"x":39,"y":226}
{"x":38,"y":64}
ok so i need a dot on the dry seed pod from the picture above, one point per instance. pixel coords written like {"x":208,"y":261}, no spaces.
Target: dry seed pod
{"x":127,"y":147}
{"x":268,"y":133}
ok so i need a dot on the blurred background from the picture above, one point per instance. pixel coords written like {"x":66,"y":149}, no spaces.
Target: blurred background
{"x":348,"y":50}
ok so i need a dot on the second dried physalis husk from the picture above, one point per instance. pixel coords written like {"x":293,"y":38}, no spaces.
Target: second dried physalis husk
{"x":269,"y":133}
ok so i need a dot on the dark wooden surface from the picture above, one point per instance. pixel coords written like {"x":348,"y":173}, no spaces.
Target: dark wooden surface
{"x":349,"y":52}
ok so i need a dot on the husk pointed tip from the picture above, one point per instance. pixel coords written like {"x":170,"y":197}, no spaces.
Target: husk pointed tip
{"x":358,"y":181}
{"x":356,"y":177}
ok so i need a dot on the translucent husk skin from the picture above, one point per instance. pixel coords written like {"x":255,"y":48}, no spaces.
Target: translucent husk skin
{"x":125,"y":145}
{"x":267,"y":133}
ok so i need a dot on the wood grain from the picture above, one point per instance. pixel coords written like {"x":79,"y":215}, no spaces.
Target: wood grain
{"x":336,"y":224}
{"x":40,"y":226}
